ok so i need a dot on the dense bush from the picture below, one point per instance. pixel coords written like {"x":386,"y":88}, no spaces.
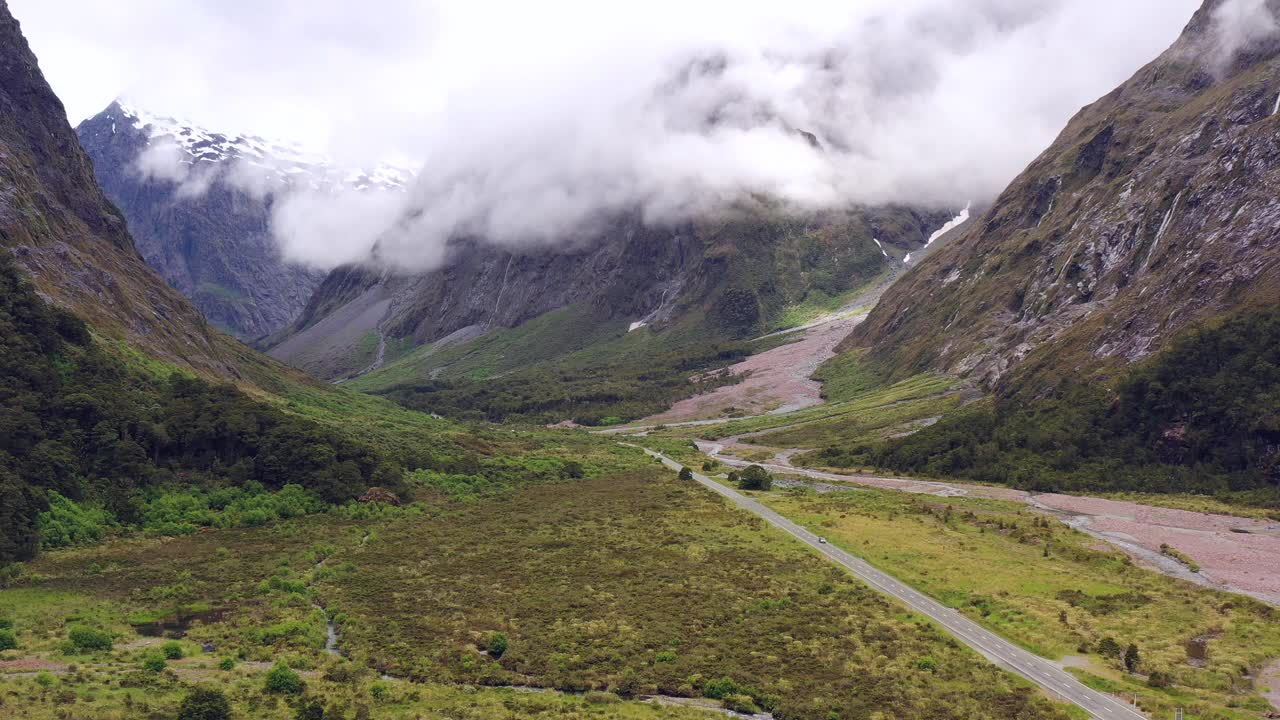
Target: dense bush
{"x":282,"y":680}
{"x":87,"y":638}
{"x":172,"y":650}
{"x":154,"y":662}
{"x":1200,"y":417}
{"x":86,"y":443}
{"x":205,"y":704}
{"x":755,"y":478}
{"x":8,"y":640}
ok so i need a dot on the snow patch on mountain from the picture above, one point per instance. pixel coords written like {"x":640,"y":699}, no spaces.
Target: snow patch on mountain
{"x":259,"y":163}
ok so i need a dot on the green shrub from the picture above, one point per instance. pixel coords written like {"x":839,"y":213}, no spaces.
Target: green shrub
{"x":720,"y":689}
{"x":740,"y":704}
{"x":1131,"y":658}
{"x":205,"y":704}
{"x":572,"y":469}
{"x":154,"y":662}
{"x":282,"y":680}
{"x":6,"y":624}
{"x":227,"y":664}
{"x":665,"y":656}
{"x":87,"y":638}
{"x":172,"y":650}
{"x":1108,"y":647}
{"x":497,"y":644}
{"x":45,"y":679}
{"x":686,"y":473}
{"x":8,"y":641}
{"x":597,"y":697}
{"x":67,"y":523}
{"x":927,"y":664}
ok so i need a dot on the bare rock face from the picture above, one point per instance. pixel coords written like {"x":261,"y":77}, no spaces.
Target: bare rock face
{"x":214,"y":247}
{"x":1158,"y":206}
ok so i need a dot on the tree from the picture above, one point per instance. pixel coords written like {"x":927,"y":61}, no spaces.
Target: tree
{"x":282,"y":680}
{"x":205,"y":704}
{"x":686,"y":473}
{"x":1131,"y":659}
{"x":1108,"y":647}
{"x":755,"y":478}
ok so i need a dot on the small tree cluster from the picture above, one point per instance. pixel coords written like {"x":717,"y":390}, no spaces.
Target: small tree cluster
{"x":755,"y":478}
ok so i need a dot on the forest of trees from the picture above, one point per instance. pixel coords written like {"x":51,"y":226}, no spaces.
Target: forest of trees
{"x":1201,"y":417}
{"x":76,"y":423}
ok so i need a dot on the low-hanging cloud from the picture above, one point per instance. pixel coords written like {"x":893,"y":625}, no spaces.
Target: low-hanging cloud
{"x":930,"y":102}
{"x":1239,"y":25}
{"x":534,"y":122}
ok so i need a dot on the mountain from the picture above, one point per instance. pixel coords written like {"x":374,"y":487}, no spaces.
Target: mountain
{"x":1119,"y":299}
{"x":689,"y":288}
{"x":205,"y":226}
{"x":106,"y":399}
{"x":71,"y":240}
{"x":1152,"y":211}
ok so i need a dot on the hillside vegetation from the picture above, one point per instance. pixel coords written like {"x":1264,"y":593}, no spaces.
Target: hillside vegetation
{"x":1201,"y":417}
{"x":81,"y":429}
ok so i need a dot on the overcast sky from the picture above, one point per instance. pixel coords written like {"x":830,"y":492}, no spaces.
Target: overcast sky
{"x":533,"y":118}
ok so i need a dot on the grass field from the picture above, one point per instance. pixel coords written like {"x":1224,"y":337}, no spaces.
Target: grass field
{"x":627,"y":583}
{"x":1059,"y":593}
{"x":641,"y":584}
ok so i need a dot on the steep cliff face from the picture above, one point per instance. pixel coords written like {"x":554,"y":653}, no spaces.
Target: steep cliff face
{"x":215,"y":246}
{"x":72,"y":241}
{"x":1155,"y":208}
{"x":736,"y":271}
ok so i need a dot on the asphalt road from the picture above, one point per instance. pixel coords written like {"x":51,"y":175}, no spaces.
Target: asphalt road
{"x":996,"y":649}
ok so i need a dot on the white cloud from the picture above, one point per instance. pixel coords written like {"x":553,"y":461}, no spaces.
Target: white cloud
{"x":1239,"y":24}
{"x":534,"y":120}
